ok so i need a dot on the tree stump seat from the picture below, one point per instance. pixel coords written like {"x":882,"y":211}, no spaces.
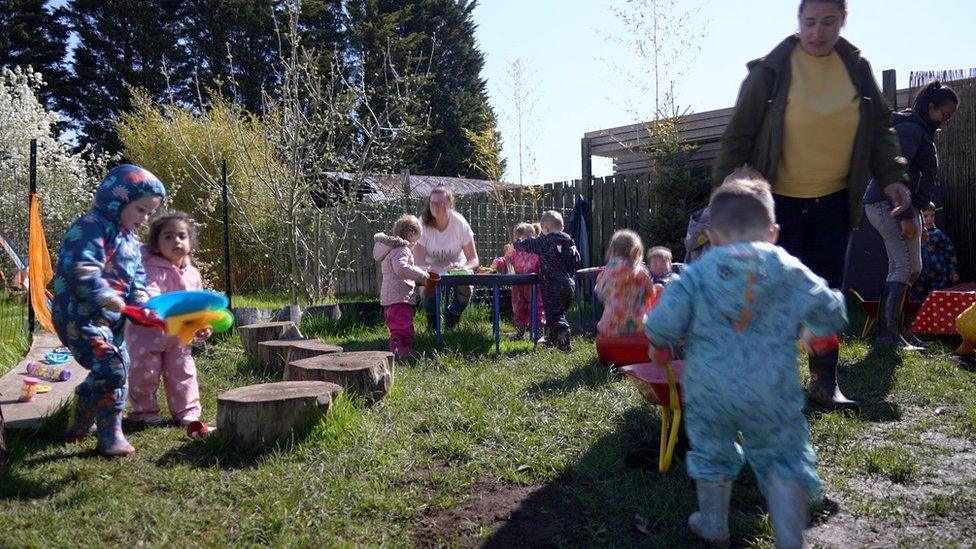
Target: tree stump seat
{"x":275,"y":354}
{"x":272,"y":413}
{"x":253,"y":334}
{"x":365,"y":373}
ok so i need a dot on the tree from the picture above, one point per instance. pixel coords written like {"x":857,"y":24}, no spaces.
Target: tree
{"x":519,"y":111}
{"x":231,"y":41}
{"x":312,"y":125}
{"x":438,"y":34}
{"x":33,"y":35}
{"x":122,"y":44}
{"x":65,"y":180}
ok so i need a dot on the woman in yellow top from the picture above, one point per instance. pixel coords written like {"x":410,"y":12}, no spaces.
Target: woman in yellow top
{"x":811,"y":119}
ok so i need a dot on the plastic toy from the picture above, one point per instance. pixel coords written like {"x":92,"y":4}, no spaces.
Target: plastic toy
{"x":56,"y":358}
{"x":44,"y":371}
{"x":966,"y":326}
{"x":185,"y":313}
{"x":622,"y":350}
{"x":28,"y":389}
{"x":659,"y":382}
{"x":431,"y":281}
{"x":198,"y":430}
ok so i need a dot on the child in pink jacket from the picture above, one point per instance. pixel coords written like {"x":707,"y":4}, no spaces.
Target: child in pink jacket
{"x":400,"y":277}
{"x":517,"y":262}
{"x":172,"y":238}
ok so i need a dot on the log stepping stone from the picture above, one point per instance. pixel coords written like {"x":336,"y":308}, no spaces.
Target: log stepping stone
{"x":366,"y":373}
{"x":31,"y":415}
{"x":272,"y":413}
{"x":274,"y":354}
{"x":253,"y":334}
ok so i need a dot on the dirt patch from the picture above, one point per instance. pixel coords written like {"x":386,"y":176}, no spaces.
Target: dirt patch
{"x":502,"y":515}
{"x":936,"y":507}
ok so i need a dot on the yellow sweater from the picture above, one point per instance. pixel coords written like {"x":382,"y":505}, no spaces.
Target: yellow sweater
{"x":821,"y":123}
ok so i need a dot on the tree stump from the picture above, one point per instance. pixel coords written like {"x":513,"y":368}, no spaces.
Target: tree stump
{"x":253,"y":334}
{"x":272,"y":413}
{"x":275,"y":354}
{"x":307,"y":348}
{"x":245,"y":316}
{"x":368,"y":373}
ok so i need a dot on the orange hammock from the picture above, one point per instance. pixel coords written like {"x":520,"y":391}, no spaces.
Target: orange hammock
{"x":39,"y":271}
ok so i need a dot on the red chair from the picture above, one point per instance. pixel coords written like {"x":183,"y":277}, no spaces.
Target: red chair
{"x":870,"y":309}
{"x":622,"y":350}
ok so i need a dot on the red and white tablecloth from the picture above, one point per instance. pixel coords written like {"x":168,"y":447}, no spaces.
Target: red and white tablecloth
{"x":938,"y":313}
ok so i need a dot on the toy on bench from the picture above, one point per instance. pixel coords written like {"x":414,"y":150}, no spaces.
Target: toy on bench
{"x":184,"y":313}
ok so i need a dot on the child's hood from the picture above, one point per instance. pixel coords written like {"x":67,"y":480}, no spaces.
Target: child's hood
{"x":384,"y":243}
{"x":739,"y":278}
{"x":152,"y":259}
{"x":122,"y":185}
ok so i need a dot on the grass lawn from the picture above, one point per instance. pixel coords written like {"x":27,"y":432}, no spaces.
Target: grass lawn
{"x":13,"y":331}
{"x":530,"y":447}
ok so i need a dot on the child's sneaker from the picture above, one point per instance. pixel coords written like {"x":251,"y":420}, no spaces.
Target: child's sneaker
{"x":562,"y":341}
{"x":184,"y":421}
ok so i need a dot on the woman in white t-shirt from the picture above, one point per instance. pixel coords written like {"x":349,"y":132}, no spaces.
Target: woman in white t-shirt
{"x":447,"y":243}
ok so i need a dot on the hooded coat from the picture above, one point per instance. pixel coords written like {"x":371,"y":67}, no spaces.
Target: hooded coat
{"x":754,"y":135}
{"x":400,"y":275}
{"x":739,"y":309}
{"x":916,"y":134}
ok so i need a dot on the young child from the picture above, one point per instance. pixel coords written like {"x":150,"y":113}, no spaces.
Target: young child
{"x":99,"y":271}
{"x":516,"y":262}
{"x":625,"y":287}
{"x":939,"y":264}
{"x":400,"y":277}
{"x":659,"y":263}
{"x":558,"y":260}
{"x":172,"y":239}
{"x":740,"y":309}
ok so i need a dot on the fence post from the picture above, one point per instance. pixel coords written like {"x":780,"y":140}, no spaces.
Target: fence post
{"x":223,"y":188}
{"x":587,"y":175}
{"x":889,"y":87}
{"x":33,"y":191}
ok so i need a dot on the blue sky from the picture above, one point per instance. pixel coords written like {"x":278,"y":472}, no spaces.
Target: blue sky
{"x":565,"y":42}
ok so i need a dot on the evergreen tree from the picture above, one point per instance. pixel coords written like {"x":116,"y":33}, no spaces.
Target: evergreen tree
{"x":438,"y":34}
{"x":35,"y":35}
{"x":231,"y":44}
{"x":122,"y":44}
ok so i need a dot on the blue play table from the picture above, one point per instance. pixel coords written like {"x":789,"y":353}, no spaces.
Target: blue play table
{"x":493,"y":281}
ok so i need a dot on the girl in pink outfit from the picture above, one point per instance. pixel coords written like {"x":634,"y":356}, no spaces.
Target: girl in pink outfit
{"x":172,"y":238}
{"x":400,"y":277}
{"x":517,"y":262}
{"x":625,"y":287}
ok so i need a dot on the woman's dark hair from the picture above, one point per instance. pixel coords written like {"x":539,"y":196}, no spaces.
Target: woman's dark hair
{"x":427,"y":216}
{"x":842,"y":4}
{"x":935,"y":93}
{"x":158,"y":224}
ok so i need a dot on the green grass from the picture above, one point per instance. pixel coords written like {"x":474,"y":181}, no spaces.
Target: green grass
{"x":271,"y":299}
{"x":458,"y":421}
{"x":13,"y":331}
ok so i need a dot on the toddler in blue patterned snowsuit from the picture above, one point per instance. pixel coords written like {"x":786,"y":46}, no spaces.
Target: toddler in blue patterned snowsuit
{"x":99,"y":271}
{"x":740,"y":310}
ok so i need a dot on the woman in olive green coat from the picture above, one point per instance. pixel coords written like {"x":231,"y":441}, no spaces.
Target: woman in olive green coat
{"x":811,"y":119}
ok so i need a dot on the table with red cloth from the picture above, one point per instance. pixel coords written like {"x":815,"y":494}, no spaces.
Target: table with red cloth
{"x":938,"y":312}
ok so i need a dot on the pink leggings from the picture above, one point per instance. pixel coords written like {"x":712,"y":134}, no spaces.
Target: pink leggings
{"x":156,"y":354}
{"x":522,"y":305}
{"x":399,"y":319}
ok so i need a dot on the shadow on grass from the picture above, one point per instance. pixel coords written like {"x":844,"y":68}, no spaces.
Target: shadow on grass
{"x":23,"y":445}
{"x":870,"y":381}
{"x":217,"y":451}
{"x":614,"y":496}
{"x":588,"y":375}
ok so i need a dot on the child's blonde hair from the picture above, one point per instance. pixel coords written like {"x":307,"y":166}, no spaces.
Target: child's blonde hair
{"x":523,"y":230}
{"x":626,"y":244}
{"x":537,"y":227}
{"x":407,"y":226}
{"x":741,"y":209}
{"x":660,"y":251}
{"x":552,"y":220}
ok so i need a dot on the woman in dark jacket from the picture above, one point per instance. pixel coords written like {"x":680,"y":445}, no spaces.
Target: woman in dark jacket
{"x":916,"y":128}
{"x":811,"y":119}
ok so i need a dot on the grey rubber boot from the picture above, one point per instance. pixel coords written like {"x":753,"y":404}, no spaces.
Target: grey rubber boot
{"x":711,"y":521}
{"x":787,"y":505}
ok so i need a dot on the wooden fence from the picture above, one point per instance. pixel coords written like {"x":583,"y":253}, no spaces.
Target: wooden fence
{"x":957,"y":176}
{"x":616,"y":202}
